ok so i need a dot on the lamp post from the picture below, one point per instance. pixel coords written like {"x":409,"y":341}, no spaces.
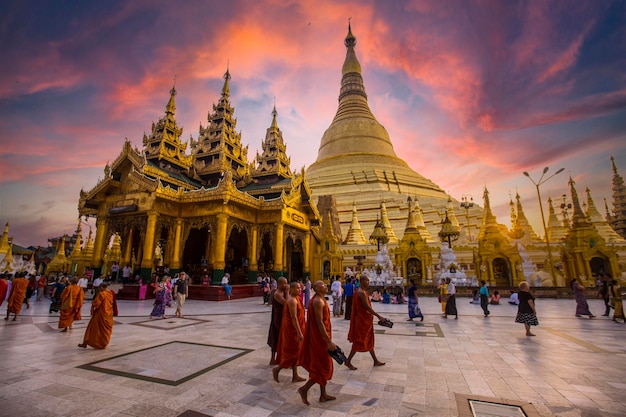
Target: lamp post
{"x":467,"y":202}
{"x":543,"y":220}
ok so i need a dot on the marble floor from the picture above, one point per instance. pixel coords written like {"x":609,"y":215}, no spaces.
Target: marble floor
{"x":215,"y":362}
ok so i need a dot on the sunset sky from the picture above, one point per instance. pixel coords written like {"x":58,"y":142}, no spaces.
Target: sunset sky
{"x":472,"y":93}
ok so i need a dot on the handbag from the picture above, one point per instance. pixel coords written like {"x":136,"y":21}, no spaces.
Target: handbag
{"x":338,"y":355}
{"x":417,"y":311}
{"x":386,"y":323}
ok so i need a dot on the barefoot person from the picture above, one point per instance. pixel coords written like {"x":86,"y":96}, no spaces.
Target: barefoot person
{"x":526,"y":312}
{"x":317,"y":342}
{"x":361,"y":332}
{"x":277,"y":299}
{"x":72,"y":299}
{"x":291,"y":334}
{"x":100,"y":327}
{"x":17,"y":295}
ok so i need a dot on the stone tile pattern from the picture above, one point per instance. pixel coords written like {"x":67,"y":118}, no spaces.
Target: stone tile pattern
{"x":574,"y":367}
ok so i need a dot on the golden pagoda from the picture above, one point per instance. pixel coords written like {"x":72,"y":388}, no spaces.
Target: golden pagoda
{"x":356,"y":161}
{"x":210,"y":212}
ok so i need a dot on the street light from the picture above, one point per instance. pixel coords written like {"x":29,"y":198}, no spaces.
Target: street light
{"x":543,"y":220}
{"x":467,"y":202}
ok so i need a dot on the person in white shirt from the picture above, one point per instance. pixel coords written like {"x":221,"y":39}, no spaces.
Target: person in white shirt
{"x":335,"y":289}
{"x":83,"y":283}
{"x":96,"y":285}
{"x":514,"y":298}
{"x":451,"y":304}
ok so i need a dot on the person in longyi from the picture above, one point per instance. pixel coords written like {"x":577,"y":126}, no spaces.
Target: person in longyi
{"x":361,"y":332}
{"x":100,"y":327}
{"x":72,"y":299}
{"x":317,"y":342}
{"x":291,"y":334}
{"x":17,"y":295}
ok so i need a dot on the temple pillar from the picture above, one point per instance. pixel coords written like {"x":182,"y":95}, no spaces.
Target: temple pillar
{"x":177,"y":261}
{"x":219,"y":259}
{"x":307,"y":254}
{"x":147,"y":259}
{"x":252,"y":255}
{"x":128,"y":251}
{"x":99,"y":247}
{"x":278,"y":251}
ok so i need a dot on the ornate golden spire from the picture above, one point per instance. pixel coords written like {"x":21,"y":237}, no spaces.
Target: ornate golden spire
{"x":226,"y":87}
{"x":355,"y":234}
{"x":171,"y":105}
{"x":578,"y":218}
{"x":556,"y":231}
{"x":411,"y":224}
{"x":273,"y":162}
{"x":385,"y":221}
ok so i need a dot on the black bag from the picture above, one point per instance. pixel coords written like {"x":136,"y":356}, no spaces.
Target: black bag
{"x":386,"y":323}
{"x":338,"y":355}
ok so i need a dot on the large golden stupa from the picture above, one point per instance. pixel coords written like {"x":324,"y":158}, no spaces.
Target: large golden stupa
{"x":356,"y":163}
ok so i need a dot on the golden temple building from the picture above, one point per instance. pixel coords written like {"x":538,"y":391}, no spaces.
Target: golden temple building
{"x":202,"y":207}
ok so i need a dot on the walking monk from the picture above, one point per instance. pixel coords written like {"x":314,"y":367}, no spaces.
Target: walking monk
{"x":100,"y":327}
{"x":291,"y":334}
{"x":17,"y":295}
{"x":72,"y":299}
{"x":317,"y":342}
{"x":277,"y":299}
{"x":361,"y":332}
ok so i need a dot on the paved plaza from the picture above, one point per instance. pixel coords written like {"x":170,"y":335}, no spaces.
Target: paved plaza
{"x":215,"y":362}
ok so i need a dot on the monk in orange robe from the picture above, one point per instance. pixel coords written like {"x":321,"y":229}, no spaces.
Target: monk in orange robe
{"x":100,"y":327}
{"x":317,"y":342}
{"x":361,"y":332}
{"x":291,"y":334}
{"x":68,"y":315}
{"x":18,"y":293}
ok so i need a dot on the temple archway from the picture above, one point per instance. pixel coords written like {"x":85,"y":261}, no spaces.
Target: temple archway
{"x":236,"y":256}
{"x":195,"y":253}
{"x":502,"y":272}
{"x":266,"y":257}
{"x":326,"y":270}
{"x":414,"y":269}
{"x":295,"y":257}
{"x":599,"y":266}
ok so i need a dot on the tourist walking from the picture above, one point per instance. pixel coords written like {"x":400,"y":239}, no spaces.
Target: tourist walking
{"x":19,"y":286}
{"x":83,"y":283}
{"x":582,"y":307}
{"x":291,"y":335}
{"x":277,"y":298}
{"x":307,"y":292}
{"x":30,"y":289}
{"x":55,"y":295}
{"x":160,"y":300}
{"x":72,"y":299}
{"x":526,"y":312}
{"x":484,"y":297}
{"x":100,"y":327}
{"x":361,"y":332}
{"x":443,"y":294}
{"x":451,"y":302}
{"x":226,"y":285}
{"x":181,"y":291}
{"x":604,"y":293}
{"x":616,"y":298}
{"x":316,"y":345}
{"x":42,"y":281}
{"x":348,"y":294}
{"x":414,"y":308}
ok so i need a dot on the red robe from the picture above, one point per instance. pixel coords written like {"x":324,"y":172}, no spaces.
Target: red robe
{"x":289,"y":346}
{"x":3,"y":290}
{"x":361,"y":332}
{"x":69,"y":315}
{"x":18,"y":292}
{"x":314,"y":357}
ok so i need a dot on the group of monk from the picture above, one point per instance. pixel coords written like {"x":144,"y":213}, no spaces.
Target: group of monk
{"x":299,"y":339}
{"x":103,"y":308}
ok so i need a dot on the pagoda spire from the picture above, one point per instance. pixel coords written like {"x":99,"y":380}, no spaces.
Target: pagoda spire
{"x":592,"y":212}
{"x":618,"y":220}
{"x":600,"y":223}
{"x":170,"y":109}
{"x":555,"y":229}
{"x":386,"y":223}
{"x":273,"y":163}
{"x":76,"y":252}
{"x":355,"y":235}
{"x":578,"y":217}
{"x":411,"y":224}
{"x":4,"y":239}
{"x":488,"y":217}
{"x":226,"y":87}
{"x":607,"y":214}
